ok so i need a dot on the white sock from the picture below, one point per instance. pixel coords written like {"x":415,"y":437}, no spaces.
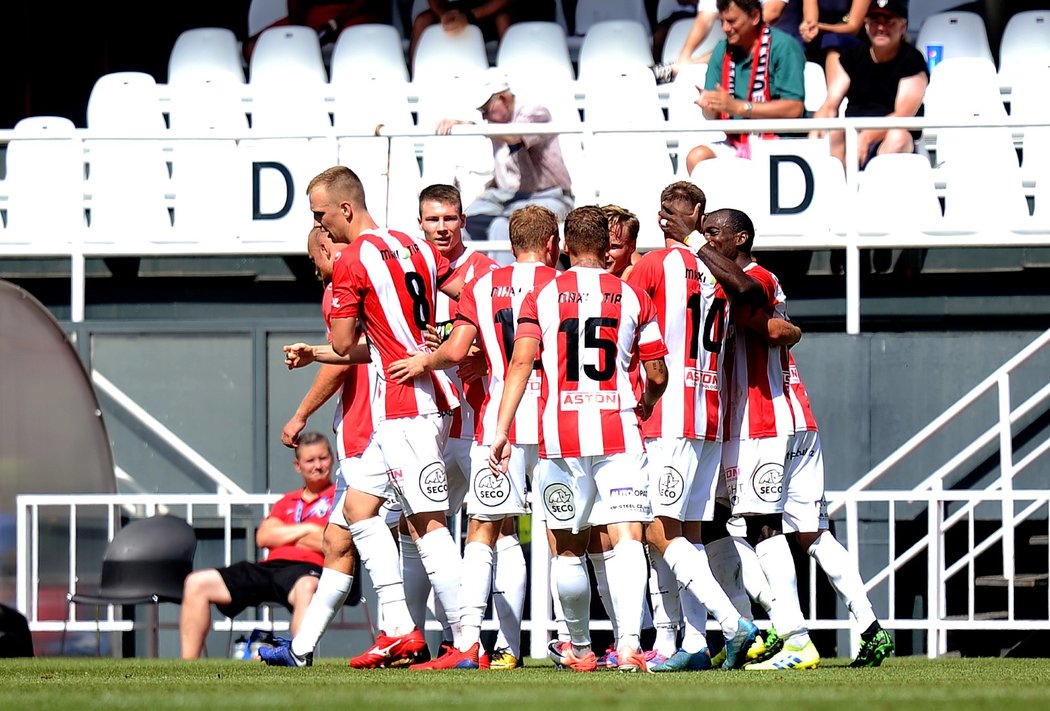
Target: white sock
{"x":379,"y":557}
{"x":474,"y":593}
{"x":332,"y":589}
{"x":557,"y":609}
{"x":628,"y":583}
{"x":689,"y":564}
{"x":417,"y":584}
{"x":779,"y":567}
{"x":440,"y":556}
{"x":727,"y":569}
{"x":569,"y":573}
{"x":836,"y":563}
{"x":600,"y":563}
{"x":667,"y":606}
{"x":508,"y":593}
{"x":754,"y":577}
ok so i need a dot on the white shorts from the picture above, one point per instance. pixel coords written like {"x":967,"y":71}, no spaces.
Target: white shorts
{"x":389,"y":511}
{"x":805,"y":509}
{"x":683,"y":475}
{"x":753,"y":473}
{"x":411,"y":449}
{"x":493,"y":498}
{"x":459,"y":467}
{"x":593,"y":491}
{"x":366,"y":472}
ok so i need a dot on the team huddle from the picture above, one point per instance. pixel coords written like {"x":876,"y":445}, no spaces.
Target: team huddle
{"x":653,"y":417}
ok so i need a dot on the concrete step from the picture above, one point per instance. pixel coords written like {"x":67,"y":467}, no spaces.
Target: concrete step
{"x":1021,"y":580}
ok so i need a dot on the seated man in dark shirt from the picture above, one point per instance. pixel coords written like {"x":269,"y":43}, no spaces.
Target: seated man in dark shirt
{"x":887,"y":78}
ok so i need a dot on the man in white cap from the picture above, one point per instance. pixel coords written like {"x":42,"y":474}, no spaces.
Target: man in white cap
{"x":528,"y":169}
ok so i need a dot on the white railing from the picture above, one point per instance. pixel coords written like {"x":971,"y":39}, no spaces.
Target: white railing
{"x":848,"y":235}
{"x":216,"y":512}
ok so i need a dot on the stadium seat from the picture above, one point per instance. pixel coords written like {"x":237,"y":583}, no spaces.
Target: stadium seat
{"x":1029,"y":100}
{"x":1025,"y":46}
{"x":263,"y":13}
{"x":145,"y":563}
{"x":624,"y":98}
{"x":807,"y":194}
{"x":126,"y":103}
{"x":206,"y":53}
{"x":208,"y":182}
{"x":816,"y":86}
{"x":961,"y":34}
{"x":441,"y":57}
{"x":369,"y":52}
{"x":904,"y":181}
{"x":666,"y":8}
{"x":919,"y":10}
{"x":535,"y":48}
{"x":204,"y":107}
{"x":963,"y":86}
{"x":591,"y":12}
{"x":45,"y":176}
{"x":290,"y":53}
{"x":614,"y":46}
{"x":730,"y":182}
{"x":676,"y":37}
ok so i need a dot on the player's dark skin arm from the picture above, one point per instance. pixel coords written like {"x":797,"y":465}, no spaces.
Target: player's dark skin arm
{"x":655,"y":384}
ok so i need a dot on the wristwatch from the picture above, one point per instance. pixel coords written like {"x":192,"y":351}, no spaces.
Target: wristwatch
{"x":747,"y":108}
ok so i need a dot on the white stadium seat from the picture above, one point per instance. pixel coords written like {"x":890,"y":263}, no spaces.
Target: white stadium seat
{"x":896,"y":196}
{"x":961,"y":34}
{"x":536,"y":48}
{"x":614,"y":46}
{"x":676,"y":37}
{"x":290,"y":53}
{"x":591,"y":12}
{"x":206,"y":54}
{"x":441,"y":56}
{"x":45,"y":177}
{"x":369,"y":52}
{"x":1025,"y":46}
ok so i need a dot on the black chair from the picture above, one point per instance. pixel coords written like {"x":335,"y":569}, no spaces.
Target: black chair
{"x":146,"y":562}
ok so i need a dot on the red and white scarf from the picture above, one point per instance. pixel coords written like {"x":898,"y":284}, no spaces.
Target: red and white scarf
{"x":758,"y":90}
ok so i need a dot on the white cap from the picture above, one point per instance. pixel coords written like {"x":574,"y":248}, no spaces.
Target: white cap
{"x":493,"y":82}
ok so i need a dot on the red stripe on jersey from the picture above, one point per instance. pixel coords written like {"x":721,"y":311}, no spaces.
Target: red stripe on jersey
{"x":693,"y":321}
{"x":353,"y":424}
{"x":757,"y":405}
{"x":593,"y":329}
{"x":492,"y":304}
{"x":467,"y":266}
{"x":798,"y":397}
{"x":389,"y":281}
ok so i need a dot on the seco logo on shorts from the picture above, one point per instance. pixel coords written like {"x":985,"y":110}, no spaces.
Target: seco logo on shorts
{"x":489,"y":489}
{"x":769,"y":482}
{"x":669,"y":486}
{"x":433,"y":482}
{"x":558,"y":500}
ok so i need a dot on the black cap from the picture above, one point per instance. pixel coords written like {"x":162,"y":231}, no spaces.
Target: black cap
{"x":889,"y":7}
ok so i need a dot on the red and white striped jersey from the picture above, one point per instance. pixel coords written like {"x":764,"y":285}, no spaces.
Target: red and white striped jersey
{"x":467,"y":266}
{"x":353,"y":423}
{"x":492,"y":304}
{"x":798,"y":397}
{"x":756,"y":405}
{"x":389,"y":280}
{"x":593,"y":328}
{"x":693,"y":321}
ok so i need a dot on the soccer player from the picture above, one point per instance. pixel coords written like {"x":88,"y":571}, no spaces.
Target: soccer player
{"x":388,"y":280}
{"x":759,"y":422}
{"x":488,"y":311}
{"x":588,"y":328}
{"x":352,"y":385}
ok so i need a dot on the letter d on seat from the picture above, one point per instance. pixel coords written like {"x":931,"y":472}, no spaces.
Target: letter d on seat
{"x":774,"y":185}
{"x":257,"y":169}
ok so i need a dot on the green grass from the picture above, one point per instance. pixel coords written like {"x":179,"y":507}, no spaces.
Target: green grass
{"x":53,"y":684}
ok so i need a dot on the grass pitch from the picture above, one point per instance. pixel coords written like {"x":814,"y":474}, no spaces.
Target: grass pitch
{"x":911,"y":683}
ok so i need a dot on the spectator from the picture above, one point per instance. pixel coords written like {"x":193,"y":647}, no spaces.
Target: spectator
{"x":492,"y":16}
{"x":327,"y":18}
{"x":292,"y":533}
{"x":887,"y":78}
{"x":755,"y":72}
{"x":774,"y":12}
{"x":829,"y":28}
{"x":528,"y":168}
